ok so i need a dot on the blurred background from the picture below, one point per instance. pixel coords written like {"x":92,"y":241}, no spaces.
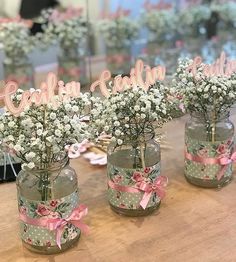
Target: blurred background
{"x":78,"y":39}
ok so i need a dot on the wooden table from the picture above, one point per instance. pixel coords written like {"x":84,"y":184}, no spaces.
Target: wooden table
{"x":192,"y":224}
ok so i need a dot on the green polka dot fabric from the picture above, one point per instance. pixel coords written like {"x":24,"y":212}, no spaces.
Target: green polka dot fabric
{"x":207,"y":149}
{"x":57,"y":208}
{"x":129,"y":178}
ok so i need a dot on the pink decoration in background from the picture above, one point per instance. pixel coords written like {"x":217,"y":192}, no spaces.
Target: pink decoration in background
{"x":58,"y":224}
{"x":118,"y":59}
{"x":159,"y":6}
{"x":69,"y":13}
{"x":17,"y":19}
{"x":73,"y":71}
{"x":120,"y":12}
{"x":19,"y":80}
{"x":96,"y":159}
{"x":75,"y":150}
{"x":179,"y":43}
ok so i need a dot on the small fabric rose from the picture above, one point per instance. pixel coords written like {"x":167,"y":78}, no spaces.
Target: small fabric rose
{"x":203,"y":152}
{"x":137,"y":177}
{"x":42,"y":210}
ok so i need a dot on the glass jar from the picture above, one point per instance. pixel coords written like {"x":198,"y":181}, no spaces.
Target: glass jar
{"x":72,"y":64}
{"x":48,"y":193}
{"x":207,"y":140}
{"x":119,"y":59}
{"x":19,"y":70}
{"x":132,"y":166}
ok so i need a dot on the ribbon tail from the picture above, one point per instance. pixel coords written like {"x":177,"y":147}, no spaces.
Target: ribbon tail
{"x":161,"y":193}
{"x":145,"y":200}
{"x":83,"y":227}
{"x":221,"y":172}
{"x":58,"y":236}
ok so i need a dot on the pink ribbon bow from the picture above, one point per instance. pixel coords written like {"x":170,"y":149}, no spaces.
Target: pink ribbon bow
{"x":58,"y":224}
{"x":148,"y":188}
{"x":223,"y":160}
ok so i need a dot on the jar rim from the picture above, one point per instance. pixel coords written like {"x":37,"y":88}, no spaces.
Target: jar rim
{"x":211,"y":115}
{"x":54,"y":165}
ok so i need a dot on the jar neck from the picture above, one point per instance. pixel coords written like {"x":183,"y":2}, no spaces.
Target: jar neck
{"x":52,"y":166}
{"x":69,"y":50}
{"x":210,"y":116}
{"x":137,"y":141}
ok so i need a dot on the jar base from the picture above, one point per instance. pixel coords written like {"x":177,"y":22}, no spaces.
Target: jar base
{"x":135,"y":212}
{"x":53,"y":249}
{"x":208,"y":183}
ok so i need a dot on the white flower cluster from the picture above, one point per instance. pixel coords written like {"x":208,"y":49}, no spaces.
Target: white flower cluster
{"x":192,"y":17}
{"x":15,"y":40}
{"x":201,"y":93}
{"x":118,"y":32}
{"x":68,"y":32}
{"x":38,"y":136}
{"x":130,"y":114}
{"x":160,"y":22}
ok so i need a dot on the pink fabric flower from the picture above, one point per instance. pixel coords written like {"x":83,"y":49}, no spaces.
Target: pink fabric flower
{"x":147,"y":170}
{"x":29,"y":240}
{"x":53,"y":215}
{"x":23,"y":210}
{"x":117,"y":179}
{"x":122,"y":205}
{"x":222,"y":149}
{"x":42,"y":210}
{"x":203,"y":152}
{"x":48,"y":244}
{"x":137,"y":177}
{"x":53,"y":203}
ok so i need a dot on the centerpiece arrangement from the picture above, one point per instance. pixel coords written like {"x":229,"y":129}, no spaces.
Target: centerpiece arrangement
{"x":69,"y":28}
{"x":192,"y":20}
{"x":208,"y":93}
{"x":47,"y":186}
{"x":160,"y":19}
{"x":226,"y":12}
{"x":16,"y":42}
{"x":118,"y":31}
{"x":132,"y":116}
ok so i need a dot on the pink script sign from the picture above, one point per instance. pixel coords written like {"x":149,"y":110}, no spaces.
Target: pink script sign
{"x":44,"y":95}
{"x":135,"y":79}
{"x":141,"y":75}
{"x":221,"y":67}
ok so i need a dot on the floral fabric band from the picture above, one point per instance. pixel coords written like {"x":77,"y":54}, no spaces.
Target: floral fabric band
{"x":222,"y":160}
{"x":58,"y":224}
{"x":147,"y":188}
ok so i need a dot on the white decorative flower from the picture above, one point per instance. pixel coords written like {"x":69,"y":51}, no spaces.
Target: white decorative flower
{"x":31,"y":165}
{"x":119,"y":142}
{"x":53,"y":116}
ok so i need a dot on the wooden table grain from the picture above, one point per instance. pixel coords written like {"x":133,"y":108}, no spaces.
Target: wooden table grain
{"x":192,"y":224}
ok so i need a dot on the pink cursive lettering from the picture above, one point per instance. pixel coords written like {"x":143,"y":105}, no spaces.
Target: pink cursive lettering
{"x":44,"y":95}
{"x":221,"y":67}
{"x":136,"y":78}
